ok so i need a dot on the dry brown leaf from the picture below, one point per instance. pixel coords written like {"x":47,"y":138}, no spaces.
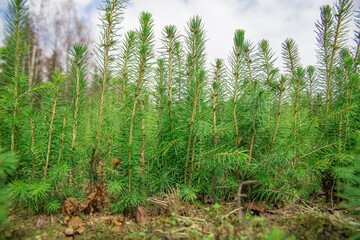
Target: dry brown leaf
{"x":260,"y":207}
{"x":75,"y":222}
{"x":70,"y":206}
{"x":91,"y":197}
{"x":94,"y":202}
{"x":141,"y":217}
{"x":119,"y":229}
{"x":119,"y":221}
{"x":89,"y":221}
{"x":114,"y":162}
{"x":111,"y":221}
{"x":79,"y":230}
{"x":66,"y":219}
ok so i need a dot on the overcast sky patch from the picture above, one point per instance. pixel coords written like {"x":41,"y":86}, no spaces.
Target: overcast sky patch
{"x":274,"y":20}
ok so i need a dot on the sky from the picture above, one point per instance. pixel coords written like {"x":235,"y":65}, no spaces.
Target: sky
{"x":273,"y":20}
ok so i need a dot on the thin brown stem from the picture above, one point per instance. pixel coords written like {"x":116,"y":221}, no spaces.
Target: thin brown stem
{"x":170,"y":57}
{"x":62,"y":138}
{"x":281,"y":89}
{"x":143,"y":136}
{"x":236,"y":83}
{"x":52,"y":117}
{"x":252,"y":141}
{"x":191,"y":123}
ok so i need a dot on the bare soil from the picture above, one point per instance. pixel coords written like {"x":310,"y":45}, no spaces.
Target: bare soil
{"x":178,"y":220}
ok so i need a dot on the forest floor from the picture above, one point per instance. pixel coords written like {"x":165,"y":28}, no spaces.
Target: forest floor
{"x":189,"y":221}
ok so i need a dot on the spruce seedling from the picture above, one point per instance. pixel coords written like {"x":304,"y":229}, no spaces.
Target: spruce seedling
{"x":236,"y":61}
{"x":144,"y":56}
{"x":78,"y":67}
{"x":266,"y":63}
{"x":217,"y":91}
{"x":15,"y":50}
{"x":195,"y":42}
{"x":111,"y":17}
{"x":127,"y":57}
{"x":58,"y":79}
{"x":281,"y":89}
{"x":310,"y":74}
{"x":170,"y":37}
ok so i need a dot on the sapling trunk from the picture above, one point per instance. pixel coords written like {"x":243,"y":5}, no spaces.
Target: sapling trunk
{"x":282,"y":90}
{"x":192,"y":159}
{"x":296,"y":110}
{"x":266,"y":63}
{"x":170,"y":32}
{"x":292,"y":64}
{"x":340,"y":128}
{"x":237,"y":137}
{"x":32,"y":144}
{"x":267,"y":71}
{"x":296,"y":103}
{"x":331,"y":36}
{"x":196,"y":77}
{"x":343,"y":11}
{"x":127,"y":58}
{"x":179,"y":63}
{"x":290,"y":54}
{"x":236,"y":62}
{"x":58,"y":79}
{"x":253,"y":129}
{"x":349,"y":102}
{"x":143,"y":135}
{"x":249,"y":61}
{"x":353,"y":81}
{"x":215,"y":97}
{"x":310,"y":73}
{"x":106,"y":54}
{"x":145,"y":35}
{"x":137,"y":90}
{"x":62,"y":138}
{"x":15,"y":51}
{"x":77,"y":65}
{"x":161,"y":96}
{"x":109,"y":25}
{"x":191,"y":123}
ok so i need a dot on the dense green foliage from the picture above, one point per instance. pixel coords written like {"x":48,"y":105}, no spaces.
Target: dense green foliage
{"x":8,"y":163}
{"x":152,"y":120}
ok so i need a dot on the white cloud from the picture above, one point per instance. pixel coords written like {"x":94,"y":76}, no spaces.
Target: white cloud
{"x":273,"y":20}
{"x":1,"y":30}
{"x":83,"y":3}
{"x":3,"y":4}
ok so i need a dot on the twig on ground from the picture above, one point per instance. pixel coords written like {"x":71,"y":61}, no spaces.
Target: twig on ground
{"x":233,"y":212}
{"x":191,"y":218}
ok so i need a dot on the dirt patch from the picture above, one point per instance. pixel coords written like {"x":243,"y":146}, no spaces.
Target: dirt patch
{"x":201,"y":221}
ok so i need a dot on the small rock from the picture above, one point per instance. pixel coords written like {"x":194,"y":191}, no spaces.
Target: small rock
{"x":69,"y":232}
